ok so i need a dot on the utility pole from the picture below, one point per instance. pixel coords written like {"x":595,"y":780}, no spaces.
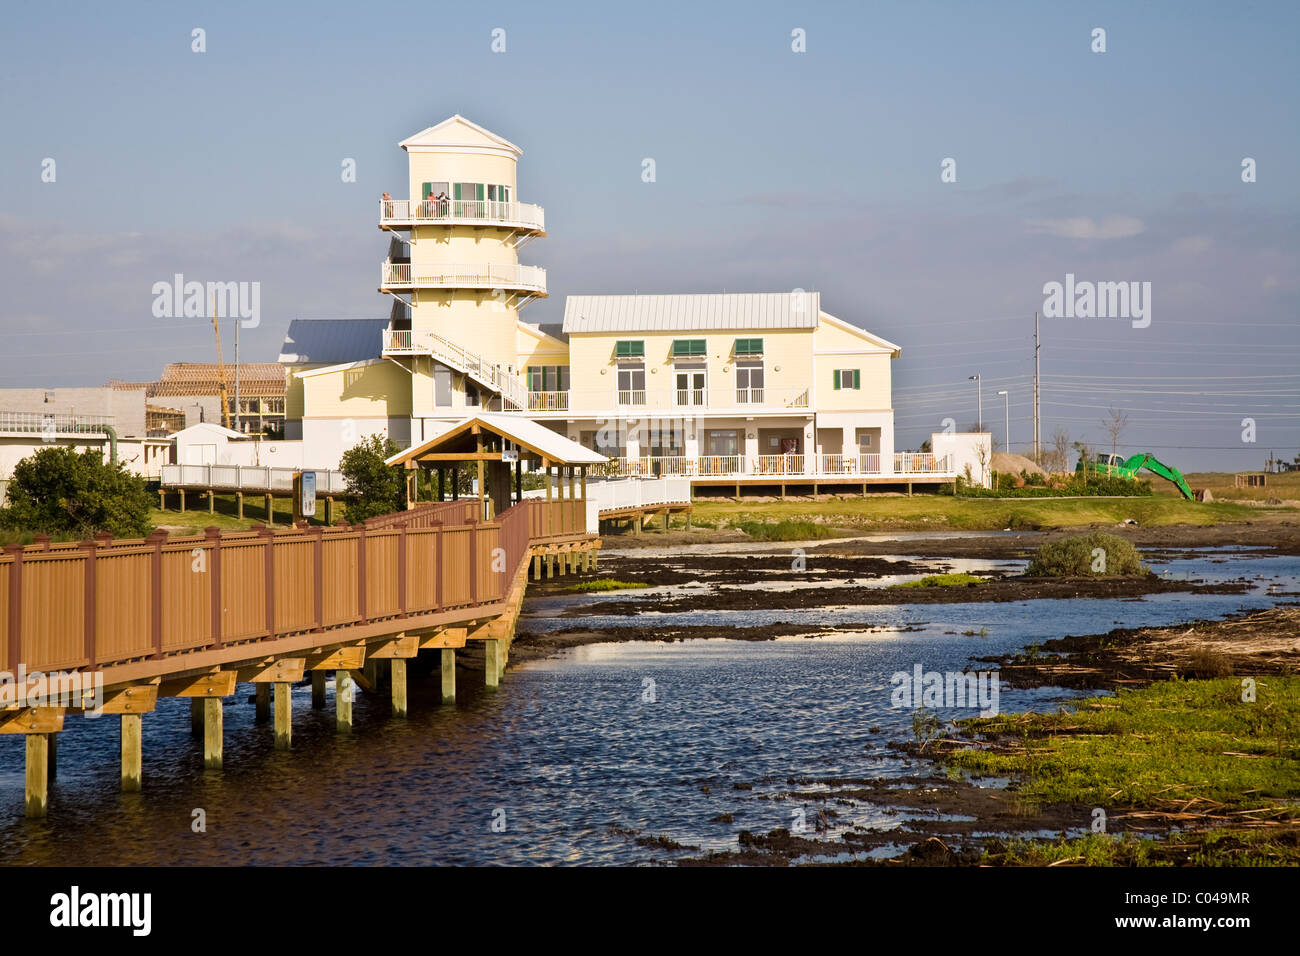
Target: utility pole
{"x":979,"y":401}
{"x":1037,"y":433}
{"x":1006,"y":414}
{"x":238,"y":427}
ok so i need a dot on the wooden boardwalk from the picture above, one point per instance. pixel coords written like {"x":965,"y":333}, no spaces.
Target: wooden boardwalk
{"x":109,"y":626}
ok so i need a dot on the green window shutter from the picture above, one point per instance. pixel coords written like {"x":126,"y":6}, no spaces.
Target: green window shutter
{"x":836,"y":379}
{"x":455,"y":190}
{"x":428,"y":188}
{"x":629,"y":349}
{"x":480,"y":192}
{"x":857,"y":378}
{"x":688,"y":347}
{"x":749,"y":346}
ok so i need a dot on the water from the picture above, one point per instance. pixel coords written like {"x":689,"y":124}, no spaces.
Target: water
{"x":568,"y":753}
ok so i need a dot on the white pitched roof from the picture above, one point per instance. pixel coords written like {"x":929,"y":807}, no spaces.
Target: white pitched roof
{"x":522,"y":431}
{"x":458,"y":133}
{"x":691,"y":313}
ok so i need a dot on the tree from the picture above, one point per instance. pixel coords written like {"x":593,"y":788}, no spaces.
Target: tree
{"x":1057,"y":457}
{"x":1114,"y":424}
{"x":378,"y":488}
{"x":69,"y":494}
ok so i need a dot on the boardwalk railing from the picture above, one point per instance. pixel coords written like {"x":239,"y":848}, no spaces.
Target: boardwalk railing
{"x":102,"y":603}
{"x":791,"y":465}
{"x":248,"y":478}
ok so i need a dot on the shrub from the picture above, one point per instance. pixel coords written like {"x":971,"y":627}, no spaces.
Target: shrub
{"x":786,"y":530}
{"x":380,"y":489}
{"x":69,"y":494}
{"x":1086,"y":555}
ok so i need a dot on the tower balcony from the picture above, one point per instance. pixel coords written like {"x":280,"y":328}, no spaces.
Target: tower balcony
{"x":408,"y":213}
{"x":406,"y":276}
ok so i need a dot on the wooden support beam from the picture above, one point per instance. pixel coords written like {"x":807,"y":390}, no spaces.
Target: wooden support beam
{"x":38,"y":779}
{"x":286,"y":669}
{"x":448,"y":673}
{"x":317,"y":690}
{"x":341,"y":658}
{"x":212,"y":502}
{"x":132,"y":753}
{"x":262,"y":699}
{"x":239,"y":504}
{"x":212,"y":733}
{"x":136,"y":699}
{"x":196,"y":716}
{"x":270,"y":511}
{"x":31,"y":720}
{"x":397,"y":647}
{"x":397,"y":673}
{"x":53,"y":758}
{"x":283,"y":715}
{"x":213,"y":684}
{"x":344,"y":693}
{"x":446,"y":638}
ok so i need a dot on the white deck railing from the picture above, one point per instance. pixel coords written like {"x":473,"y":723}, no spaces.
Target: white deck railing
{"x":462,"y":275}
{"x":806,"y":466}
{"x":248,"y":478}
{"x":522,"y":215}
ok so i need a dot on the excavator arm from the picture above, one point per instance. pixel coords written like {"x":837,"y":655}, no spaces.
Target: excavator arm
{"x":1167,"y":472}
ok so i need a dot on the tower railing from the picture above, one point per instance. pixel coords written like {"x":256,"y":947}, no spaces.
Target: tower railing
{"x":515,"y":214}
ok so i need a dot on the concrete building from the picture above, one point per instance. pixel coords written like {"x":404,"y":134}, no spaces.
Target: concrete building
{"x":728,"y":389}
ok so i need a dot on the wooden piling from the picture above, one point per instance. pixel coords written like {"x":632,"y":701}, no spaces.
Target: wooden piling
{"x":196,"y":716}
{"x":492,"y":662}
{"x":211,"y":732}
{"x":317,"y":690}
{"x":344,"y":691}
{"x":283,"y":715}
{"x":263,"y":698}
{"x":132,"y":752}
{"x":397,"y":682}
{"x":38,"y":781}
{"x":448,"y":673}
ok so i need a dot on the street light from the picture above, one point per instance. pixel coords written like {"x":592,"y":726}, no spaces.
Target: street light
{"x":979,"y":402}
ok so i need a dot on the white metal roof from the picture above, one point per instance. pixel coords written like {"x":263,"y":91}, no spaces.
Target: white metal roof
{"x":522,"y":431}
{"x":692,"y":313}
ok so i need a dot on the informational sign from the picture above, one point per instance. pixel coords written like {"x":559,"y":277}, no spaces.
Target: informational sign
{"x":307,"y":494}
{"x":510,"y":454}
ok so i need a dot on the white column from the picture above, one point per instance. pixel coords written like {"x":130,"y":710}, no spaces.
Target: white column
{"x":887,"y":445}
{"x":750,"y":445}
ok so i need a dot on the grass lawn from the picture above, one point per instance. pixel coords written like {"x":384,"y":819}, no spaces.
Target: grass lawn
{"x":1285,"y":486}
{"x":196,"y":516}
{"x":938,"y":512}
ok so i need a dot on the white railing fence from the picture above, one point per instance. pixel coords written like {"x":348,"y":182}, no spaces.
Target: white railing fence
{"x":248,"y":478}
{"x":523,"y":214}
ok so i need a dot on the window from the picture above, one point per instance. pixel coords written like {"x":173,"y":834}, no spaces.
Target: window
{"x":629,"y":349}
{"x":749,"y":347}
{"x":631,"y":385}
{"x":688,"y":348}
{"x":497,"y":193}
{"x":548,"y":378}
{"x":847,"y":378}
{"x":723,"y":442}
{"x":749,"y":383}
{"x":431,"y":190}
{"x":468,"y":191}
{"x":442,"y":387}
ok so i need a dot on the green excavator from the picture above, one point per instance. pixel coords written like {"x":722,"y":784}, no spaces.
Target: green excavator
{"x":1117,"y":467}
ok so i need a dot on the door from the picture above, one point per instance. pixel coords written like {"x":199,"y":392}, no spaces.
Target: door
{"x":690,"y":387}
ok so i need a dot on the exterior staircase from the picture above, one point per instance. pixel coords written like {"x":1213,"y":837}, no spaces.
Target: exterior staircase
{"x":489,"y":375}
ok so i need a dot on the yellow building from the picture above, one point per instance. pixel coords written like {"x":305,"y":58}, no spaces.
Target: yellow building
{"x":711,"y":386}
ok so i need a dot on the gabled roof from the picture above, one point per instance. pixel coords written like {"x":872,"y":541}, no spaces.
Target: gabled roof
{"x":331,"y":341}
{"x":894,"y":350}
{"x":210,"y":428}
{"x":691,"y":313}
{"x":456,"y":133}
{"x":524,"y":432}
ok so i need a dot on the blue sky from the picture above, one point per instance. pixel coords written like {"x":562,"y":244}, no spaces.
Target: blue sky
{"x":775,"y":170}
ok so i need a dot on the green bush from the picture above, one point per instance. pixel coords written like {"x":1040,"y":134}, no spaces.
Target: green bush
{"x":68,"y":494}
{"x":786,"y":530}
{"x":1086,"y":555}
{"x":380,"y":489}
{"x":1092,"y":486}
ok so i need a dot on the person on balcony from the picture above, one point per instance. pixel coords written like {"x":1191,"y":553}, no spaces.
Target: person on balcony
{"x":386,"y":198}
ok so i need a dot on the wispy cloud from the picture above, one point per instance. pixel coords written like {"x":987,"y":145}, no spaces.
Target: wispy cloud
{"x":1085,"y":227}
